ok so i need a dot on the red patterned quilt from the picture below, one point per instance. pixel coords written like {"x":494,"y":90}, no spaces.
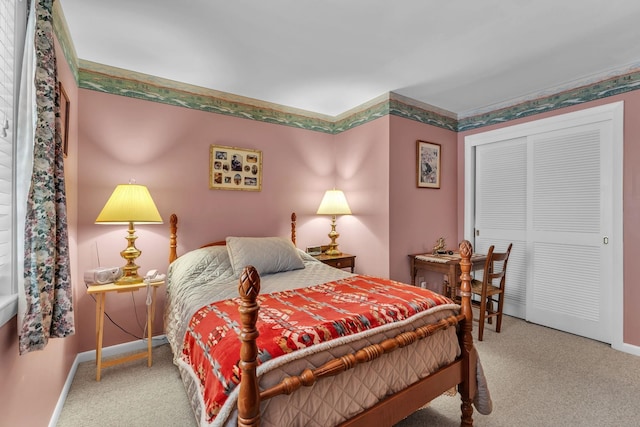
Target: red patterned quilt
{"x":293,"y":320}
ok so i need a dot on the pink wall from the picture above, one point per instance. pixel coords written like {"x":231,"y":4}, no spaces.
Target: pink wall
{"x":631,"y":221}
{"x":362,"y":163}
{"x":376,"y":168}
{"x":38,"y":375}
{"x":167,"y":148}
{"x":419,"y":216}
{"x":42,"y":374}
{"x":631,"y":199}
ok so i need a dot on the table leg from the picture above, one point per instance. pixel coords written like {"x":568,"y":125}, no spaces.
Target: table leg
{"x":453,"y":281}
{"x":413,"y":271}
{"x":150,"y":316}
{"x":446,"y":288}
{"x":100,"y":331}
{"x":98,"y":302}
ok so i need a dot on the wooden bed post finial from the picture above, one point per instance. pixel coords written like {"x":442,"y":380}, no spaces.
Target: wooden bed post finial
{"x":466,"y":250}
{"x":249,"y":395}
{"x":173,"y":237}
{"x":293,"y":227}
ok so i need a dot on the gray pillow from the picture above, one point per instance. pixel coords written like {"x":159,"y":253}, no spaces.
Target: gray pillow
{"x":267,"y":254}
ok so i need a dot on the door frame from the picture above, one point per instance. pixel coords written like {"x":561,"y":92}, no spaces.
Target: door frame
{"x":614,"y":112}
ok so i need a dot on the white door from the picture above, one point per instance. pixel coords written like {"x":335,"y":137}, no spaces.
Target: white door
{"x":550,"y":187}
{"x":501,"y":212}
{"x":570,"y":204}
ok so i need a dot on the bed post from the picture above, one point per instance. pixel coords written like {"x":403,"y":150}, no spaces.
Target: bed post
{"x":293,"y":228}
{"x":467,"y":388}
{"x":173,"y":254}
{"x":249,"y":395}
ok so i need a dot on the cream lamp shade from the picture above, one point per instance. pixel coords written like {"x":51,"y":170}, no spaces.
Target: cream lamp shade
{"x":129,"y":204}
{"x":334,"y":203}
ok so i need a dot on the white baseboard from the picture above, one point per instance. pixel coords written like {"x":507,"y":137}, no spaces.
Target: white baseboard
{"x":129,"y":347}
{"x":628,"y":348}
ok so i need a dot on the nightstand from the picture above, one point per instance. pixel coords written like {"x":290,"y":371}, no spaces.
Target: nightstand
{"x":338,"y":261}
{"x":101,"y":291}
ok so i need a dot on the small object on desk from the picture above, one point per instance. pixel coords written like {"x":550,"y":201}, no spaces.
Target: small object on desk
{"x":338,"y":261}
{"x":314,"y":250}
{"x":152,"y":276}
{"x":102,"y":275}
{"x":440,"y":246}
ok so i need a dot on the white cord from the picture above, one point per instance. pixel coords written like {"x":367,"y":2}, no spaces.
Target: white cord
{"x":147,"y":281}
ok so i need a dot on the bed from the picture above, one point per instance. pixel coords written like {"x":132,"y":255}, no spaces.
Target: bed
{"x":240,"y":317}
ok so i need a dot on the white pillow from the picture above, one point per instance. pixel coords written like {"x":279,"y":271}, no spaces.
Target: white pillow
{"x":267,"y":254}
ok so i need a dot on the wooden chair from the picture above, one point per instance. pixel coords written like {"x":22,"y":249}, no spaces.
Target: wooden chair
{"x":491,"y":288}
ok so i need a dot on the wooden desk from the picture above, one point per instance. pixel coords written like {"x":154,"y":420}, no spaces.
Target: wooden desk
{"x":100,"y":291}
{"x":446,"y":264}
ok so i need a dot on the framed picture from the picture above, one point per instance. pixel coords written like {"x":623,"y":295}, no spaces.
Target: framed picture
{"x":428,"y":167}
{"x":64,"y":119}
{"x":233,"y":168}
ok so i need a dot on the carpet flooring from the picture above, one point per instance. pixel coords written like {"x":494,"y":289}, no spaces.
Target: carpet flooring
{"x":537,"y":376}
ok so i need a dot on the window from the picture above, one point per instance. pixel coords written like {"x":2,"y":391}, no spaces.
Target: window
{"x":12,"y":30}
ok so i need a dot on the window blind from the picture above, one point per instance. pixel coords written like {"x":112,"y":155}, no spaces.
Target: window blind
{"x":7,"y":126}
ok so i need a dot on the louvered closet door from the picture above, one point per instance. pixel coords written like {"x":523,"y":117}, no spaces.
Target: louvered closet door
{"x":570,"y":200}
{"x":501,"y":209}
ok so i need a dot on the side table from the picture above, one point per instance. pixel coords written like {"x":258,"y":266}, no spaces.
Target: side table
{"x":100,"y":292}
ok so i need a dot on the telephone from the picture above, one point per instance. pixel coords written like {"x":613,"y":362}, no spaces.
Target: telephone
{"x":152,"y":276}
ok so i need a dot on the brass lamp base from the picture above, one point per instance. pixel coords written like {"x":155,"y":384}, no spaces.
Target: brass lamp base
{"x":333,"y":252}
{"x":333,"y":235}
{"x":130,"y":270}
{"x":130,"y":280}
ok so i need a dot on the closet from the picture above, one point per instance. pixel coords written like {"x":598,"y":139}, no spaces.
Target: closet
{"x":553,"y":187}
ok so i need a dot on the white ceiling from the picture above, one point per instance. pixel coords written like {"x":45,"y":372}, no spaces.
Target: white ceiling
{"x":328,"y":56}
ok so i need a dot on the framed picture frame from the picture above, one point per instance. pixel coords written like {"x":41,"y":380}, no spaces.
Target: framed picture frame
{"x":233,"y":168}
{"x":64,"y":119}
{"x":428,"y":155}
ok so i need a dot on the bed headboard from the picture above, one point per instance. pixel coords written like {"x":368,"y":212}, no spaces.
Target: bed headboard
{"x":173,"y":236}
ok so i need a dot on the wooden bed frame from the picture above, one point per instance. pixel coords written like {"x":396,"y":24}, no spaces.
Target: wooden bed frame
{"x":460,"y":373}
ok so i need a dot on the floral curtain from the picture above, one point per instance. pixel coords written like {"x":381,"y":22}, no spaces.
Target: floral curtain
{"x":48,"y":309}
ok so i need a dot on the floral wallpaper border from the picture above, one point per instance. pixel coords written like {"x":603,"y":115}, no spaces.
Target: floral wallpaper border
{"x":603,"y":89}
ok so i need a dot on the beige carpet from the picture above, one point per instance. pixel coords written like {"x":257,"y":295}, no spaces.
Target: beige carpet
{"x":537,"y":376}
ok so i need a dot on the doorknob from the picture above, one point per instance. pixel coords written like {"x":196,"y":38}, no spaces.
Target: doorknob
{"x":605,"y":240}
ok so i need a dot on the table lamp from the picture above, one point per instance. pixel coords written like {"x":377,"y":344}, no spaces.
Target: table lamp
{"x":129,"y":204}
{"x":334,"y":203}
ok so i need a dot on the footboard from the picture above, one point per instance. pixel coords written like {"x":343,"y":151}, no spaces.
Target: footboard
{"x":461,"y":373}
